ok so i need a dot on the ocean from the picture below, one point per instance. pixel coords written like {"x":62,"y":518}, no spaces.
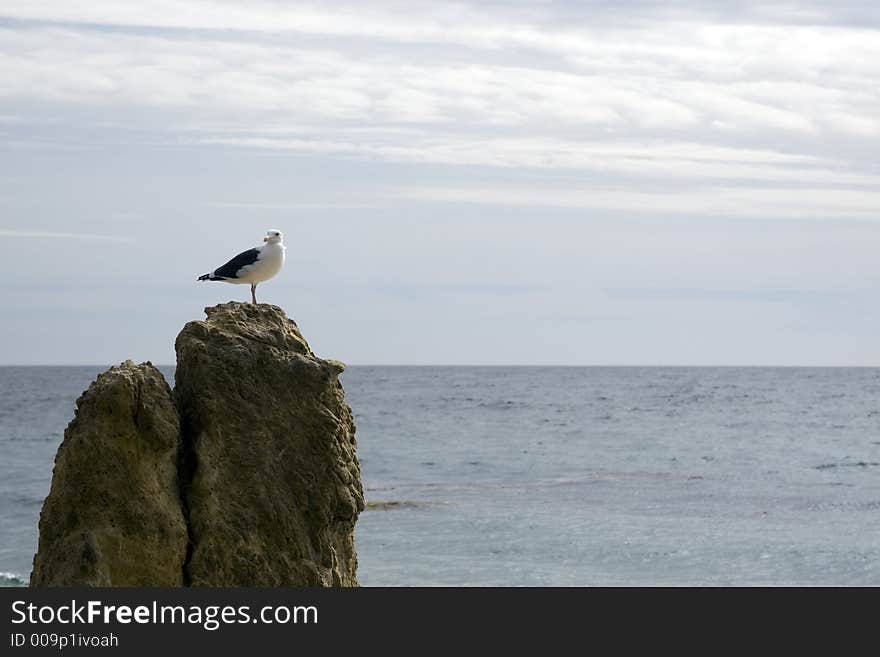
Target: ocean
{"x":533,"y":476}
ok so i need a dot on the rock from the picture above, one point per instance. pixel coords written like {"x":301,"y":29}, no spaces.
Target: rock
{"x":113,"y":516}
{"x":273,"y":484}
{"x":246,"y":475}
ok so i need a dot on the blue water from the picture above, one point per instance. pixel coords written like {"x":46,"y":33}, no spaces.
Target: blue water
{"x":563,"y":476}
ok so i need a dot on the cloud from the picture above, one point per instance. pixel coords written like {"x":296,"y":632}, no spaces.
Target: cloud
{"x":689,"y":101}
{"x":293,"y":205}
{"x":435,"y":139}
{"x":783,"y":296}
{"x":760,"y":202}
{"x":45,"y":234}
{"x":682,"y":162}
{"x":801,"y":80}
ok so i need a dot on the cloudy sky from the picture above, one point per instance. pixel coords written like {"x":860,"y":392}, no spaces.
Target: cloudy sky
{"x":533,"y":182}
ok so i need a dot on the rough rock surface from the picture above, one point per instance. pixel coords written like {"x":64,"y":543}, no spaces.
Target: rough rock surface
{"x":273,"y":485}
{"x":113,"y":516}
{"x":246,"y":475}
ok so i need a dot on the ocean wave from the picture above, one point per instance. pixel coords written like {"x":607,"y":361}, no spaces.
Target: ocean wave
{"x":388,"y":505}
{"x":503,"y":404}
{"x":11,"y":579}
{"x":857,"y":464}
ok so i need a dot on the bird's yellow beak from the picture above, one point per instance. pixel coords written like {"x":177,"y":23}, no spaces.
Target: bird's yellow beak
{"x":266,"y":239}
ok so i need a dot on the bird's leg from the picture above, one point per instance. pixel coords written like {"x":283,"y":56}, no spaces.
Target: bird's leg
{"x":254,"y":293}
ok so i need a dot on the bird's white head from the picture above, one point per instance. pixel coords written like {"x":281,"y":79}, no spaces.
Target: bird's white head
{"x":273,"y":237}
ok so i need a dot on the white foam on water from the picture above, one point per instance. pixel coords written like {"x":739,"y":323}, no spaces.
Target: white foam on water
{"x":12,"y":579}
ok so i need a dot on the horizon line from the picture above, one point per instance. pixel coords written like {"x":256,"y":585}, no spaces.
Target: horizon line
{"x":520,"y":365}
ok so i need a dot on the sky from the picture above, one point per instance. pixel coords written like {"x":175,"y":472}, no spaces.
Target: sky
{"x":494,"y":183}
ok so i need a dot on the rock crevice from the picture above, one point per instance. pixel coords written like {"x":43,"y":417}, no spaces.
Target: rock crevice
{"x":186,"y":465}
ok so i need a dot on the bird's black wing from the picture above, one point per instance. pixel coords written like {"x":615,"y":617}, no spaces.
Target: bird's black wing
{"x":231,"y":268}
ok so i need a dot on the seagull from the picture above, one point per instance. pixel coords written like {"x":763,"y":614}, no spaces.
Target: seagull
{"x":254,"y":265}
